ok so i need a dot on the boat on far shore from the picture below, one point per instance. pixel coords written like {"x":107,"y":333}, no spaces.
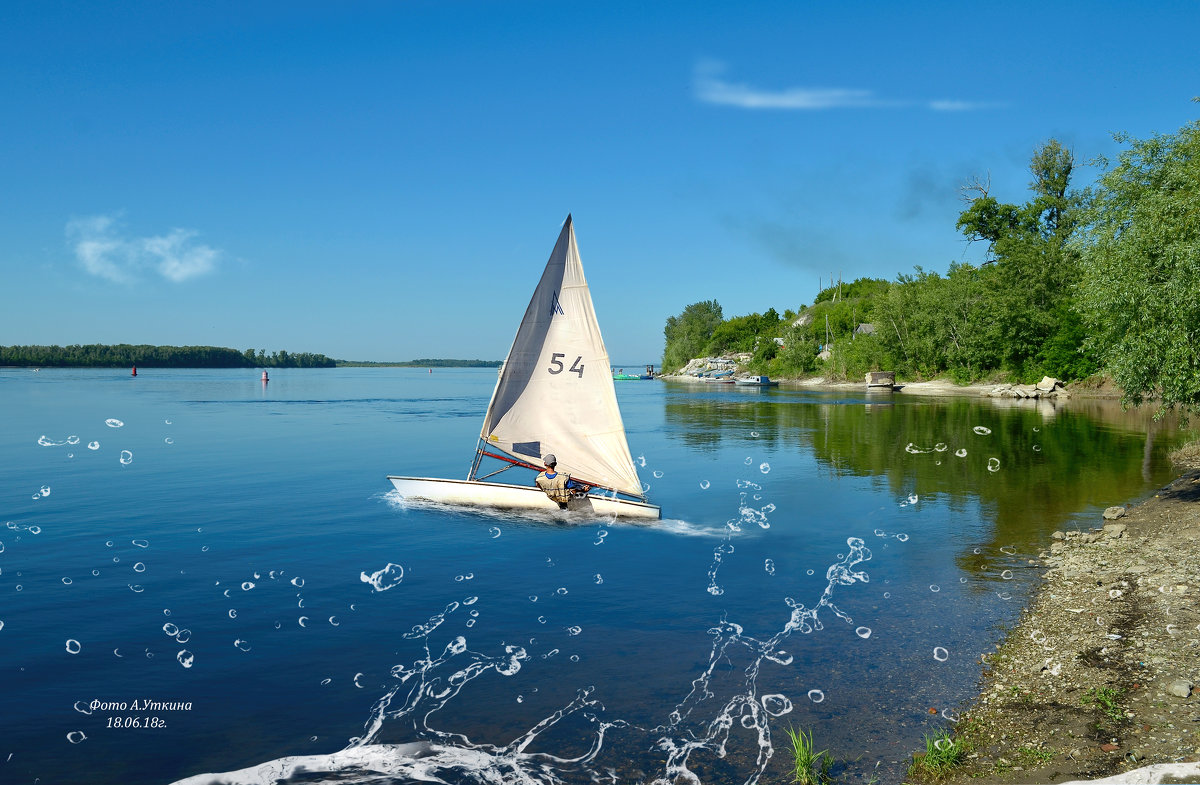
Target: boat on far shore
{"x":755,"y":381}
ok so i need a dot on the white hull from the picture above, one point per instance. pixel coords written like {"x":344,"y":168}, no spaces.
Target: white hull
{"x":473,"y":493}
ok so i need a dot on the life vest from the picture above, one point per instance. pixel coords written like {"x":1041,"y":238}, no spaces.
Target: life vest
{"x":555,"y":487}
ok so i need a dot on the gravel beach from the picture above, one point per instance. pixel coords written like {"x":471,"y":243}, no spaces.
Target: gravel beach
{"x":1100,"y":676}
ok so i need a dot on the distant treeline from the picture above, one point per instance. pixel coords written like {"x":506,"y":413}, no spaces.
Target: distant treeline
{"x":123,"y":355}
{"x":427,"y":363}
{"x":1104,"y":279}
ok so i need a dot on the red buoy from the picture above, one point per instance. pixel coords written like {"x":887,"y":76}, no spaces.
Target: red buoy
{"x":135,"y":370}
{"x":265,"y":379}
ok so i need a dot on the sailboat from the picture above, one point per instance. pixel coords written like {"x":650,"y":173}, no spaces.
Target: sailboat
{"x":554,"y":394}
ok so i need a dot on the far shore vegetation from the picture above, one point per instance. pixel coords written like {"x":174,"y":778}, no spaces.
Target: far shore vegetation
{"x":125,"y":355}
{"x":1104,"y":280}
{"x":147,"y":356}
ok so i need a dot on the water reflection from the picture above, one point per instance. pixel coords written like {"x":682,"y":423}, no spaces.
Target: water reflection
{"x":1032,"y":466}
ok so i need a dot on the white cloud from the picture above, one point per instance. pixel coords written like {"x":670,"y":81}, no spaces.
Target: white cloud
{"x":104,"y":251}
{"x":711,"y":87}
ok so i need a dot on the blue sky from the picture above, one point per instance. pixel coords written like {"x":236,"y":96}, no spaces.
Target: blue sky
{"x":384,"y":181}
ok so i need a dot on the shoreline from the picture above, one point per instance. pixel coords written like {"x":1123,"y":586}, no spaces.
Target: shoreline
{"x":931,"y":387}
{"x":1099,"y":676}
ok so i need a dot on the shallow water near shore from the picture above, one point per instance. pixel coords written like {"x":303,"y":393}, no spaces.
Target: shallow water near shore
{"x":230,"y":554}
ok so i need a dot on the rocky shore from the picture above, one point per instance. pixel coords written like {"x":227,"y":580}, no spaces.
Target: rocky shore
{"x":1100,"y":677}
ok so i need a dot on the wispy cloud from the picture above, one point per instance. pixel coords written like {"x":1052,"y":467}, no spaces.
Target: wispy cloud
{"x":103,"y":250}
{"x":712,"y":87}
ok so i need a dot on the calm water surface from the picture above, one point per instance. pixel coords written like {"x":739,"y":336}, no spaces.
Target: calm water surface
{"x":231,"y":553}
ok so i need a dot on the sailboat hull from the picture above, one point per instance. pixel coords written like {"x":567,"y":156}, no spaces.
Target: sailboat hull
{"x":473,"y":493}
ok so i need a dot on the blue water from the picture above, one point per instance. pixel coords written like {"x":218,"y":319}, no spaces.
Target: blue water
{"x":232,"y":552}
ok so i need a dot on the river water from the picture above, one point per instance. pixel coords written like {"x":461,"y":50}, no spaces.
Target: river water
{"x":201,"y":573}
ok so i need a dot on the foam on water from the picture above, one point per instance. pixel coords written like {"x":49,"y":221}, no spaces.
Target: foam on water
{"x":701,"y":726}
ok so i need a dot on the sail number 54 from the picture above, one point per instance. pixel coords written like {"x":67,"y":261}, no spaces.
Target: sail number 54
{"x":556,"y":365}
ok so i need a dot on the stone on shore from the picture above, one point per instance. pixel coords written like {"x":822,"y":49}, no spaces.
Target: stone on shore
{"x":1112,"y":513}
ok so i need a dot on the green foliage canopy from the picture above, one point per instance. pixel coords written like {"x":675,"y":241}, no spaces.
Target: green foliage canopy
{"x":687,"y":335}
{"x":1139,"y":291}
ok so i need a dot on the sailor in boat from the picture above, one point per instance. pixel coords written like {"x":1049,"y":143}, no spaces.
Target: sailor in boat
{"x":558,"y":486}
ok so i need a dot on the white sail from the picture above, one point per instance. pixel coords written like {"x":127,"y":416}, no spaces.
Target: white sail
{"x":555,"y":392}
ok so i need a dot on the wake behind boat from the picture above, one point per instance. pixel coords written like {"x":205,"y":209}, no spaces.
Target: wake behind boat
{"x":554,"y":394}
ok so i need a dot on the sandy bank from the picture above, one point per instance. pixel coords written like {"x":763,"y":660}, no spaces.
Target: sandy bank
{"x":1099,"y":677}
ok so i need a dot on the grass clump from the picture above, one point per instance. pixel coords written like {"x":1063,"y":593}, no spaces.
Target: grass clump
{"x":805,"y":761}
{"x":1105,"y":699}
{"x":941,"y":755}
{"x":1187,"y":456}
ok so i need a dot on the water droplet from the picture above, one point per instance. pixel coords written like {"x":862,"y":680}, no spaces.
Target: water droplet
{"x":764,"y":467}
{"x":902,"y":537}
{"x":657,"y":474}
{"x":574,"y":630}
{"x":139,"y":567}
{"x":933,"y":587}
{"x":82,"y":707}
{"x":45,"y":490}
{"x":560,"y":590}
{"x":982,"y":431}
{"x":333,"y":622}
{"x":299,"y":582}
{"x":704,"y":485}
{"x":126,"y":457}
{"x":940,"y":654}
{"x":769,"y":567}
{"x":232,"y":613}
{"x":303,"y":621}
{"x":1007,"y":575}
{"x":495,"y":530}
{"x":993,"y":464}
{"x":599,"y":580}
{"x":168,"y":440}
{"x":185,"y":657}
{"x":887,"y":595}
{"x":76,"y":736}
{"x":247,"y":586}
{"x":73,"y":646}
{"x":67,"y":581}
{"x":93,"y":445}
{"x":816,"y":696}
{"x":171,"y":629}
{"x":241,"y":644}
{"x":749,"y":460}
{"x":113,"y":423}
{"x":863,"y":632}
{"x":1037,"y":448}
{"x":776,"y":705}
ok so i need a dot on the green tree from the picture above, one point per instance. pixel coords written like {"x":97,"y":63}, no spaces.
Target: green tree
{"x":1030,"y":290}
{"x":688,"y":334}
{"x":1140,"y":283}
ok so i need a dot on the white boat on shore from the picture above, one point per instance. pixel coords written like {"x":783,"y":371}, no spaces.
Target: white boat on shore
{"x":554,"y":394}
{"x":755,"y":381}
